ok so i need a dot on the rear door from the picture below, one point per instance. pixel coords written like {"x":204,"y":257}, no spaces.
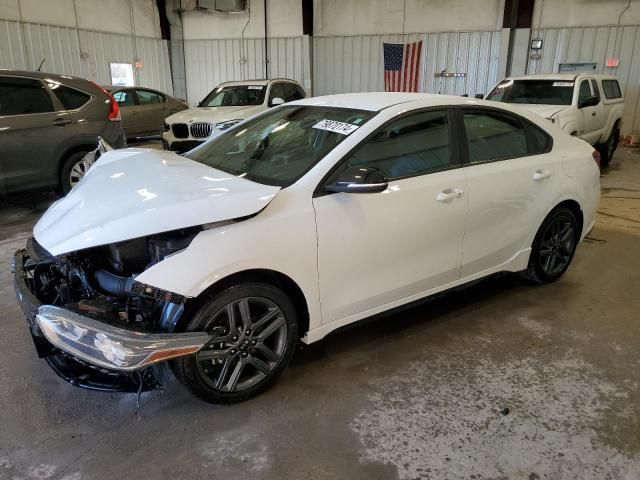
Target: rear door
{"x":510,"y":173}
{"x":379,"y":248}
{"x":29,"y":127}
{"x":152,"y":110}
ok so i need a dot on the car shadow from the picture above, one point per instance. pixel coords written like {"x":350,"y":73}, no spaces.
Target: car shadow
{"x":396,"y":323}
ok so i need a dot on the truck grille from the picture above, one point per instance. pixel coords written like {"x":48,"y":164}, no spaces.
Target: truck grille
{"x":200,"y":130}
{"x":180,"y":130}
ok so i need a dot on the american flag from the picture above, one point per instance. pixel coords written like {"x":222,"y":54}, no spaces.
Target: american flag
{"x":401,"y":66}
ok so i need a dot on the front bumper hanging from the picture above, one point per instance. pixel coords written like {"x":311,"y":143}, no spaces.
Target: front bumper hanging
{"x":93,"y":354}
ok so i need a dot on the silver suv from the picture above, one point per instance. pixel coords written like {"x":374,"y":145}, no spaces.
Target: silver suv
{"x":48,"y":123}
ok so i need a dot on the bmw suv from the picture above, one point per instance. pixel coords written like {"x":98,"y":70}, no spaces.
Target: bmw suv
{"x":48,"y":123}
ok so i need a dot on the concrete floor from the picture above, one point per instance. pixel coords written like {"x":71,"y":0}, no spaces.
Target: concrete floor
{"x":417,"y":394}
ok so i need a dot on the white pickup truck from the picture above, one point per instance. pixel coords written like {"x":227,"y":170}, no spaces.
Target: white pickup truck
{"x":588,"y":106}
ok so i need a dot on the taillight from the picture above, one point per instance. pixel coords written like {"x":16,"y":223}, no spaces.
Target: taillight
{"x":114,"y":111}
{"x":114,"y":108}
{"x":596,"y":156}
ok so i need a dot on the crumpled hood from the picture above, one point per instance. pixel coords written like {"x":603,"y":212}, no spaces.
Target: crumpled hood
{"x":545,"y":111}
{"x":214,"y":114}
{"x":136,"y":192}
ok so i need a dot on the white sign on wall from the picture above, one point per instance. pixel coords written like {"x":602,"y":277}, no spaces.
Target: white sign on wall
{"x":121,"y":74}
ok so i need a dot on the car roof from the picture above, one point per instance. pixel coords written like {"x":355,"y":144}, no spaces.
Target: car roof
{"x":258,"y":81}
{"x":68,"y":80}
{"x":570,"y":77}
{"x":376,"y":101}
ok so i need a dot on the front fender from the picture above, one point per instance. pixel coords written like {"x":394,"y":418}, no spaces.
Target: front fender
{"x":571,"y":127}
{"x":281,"y":238}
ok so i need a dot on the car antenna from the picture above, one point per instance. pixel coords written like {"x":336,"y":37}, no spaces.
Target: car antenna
{"x":41,"y":63}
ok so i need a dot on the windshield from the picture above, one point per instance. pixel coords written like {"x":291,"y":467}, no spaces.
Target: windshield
{"x":541,"y":92}
{"x":277,"y":148}
{"x":235,"y":96}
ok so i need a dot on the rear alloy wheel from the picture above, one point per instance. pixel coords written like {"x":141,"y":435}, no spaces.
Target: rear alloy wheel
{"x":553,"y":247}
{"x":608,"y":148}
{"x":253,"y":331}
{"x":74,"y":169}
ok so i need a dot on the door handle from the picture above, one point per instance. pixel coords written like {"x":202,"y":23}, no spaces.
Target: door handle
{"x":541,"y":175}
{"x":449,"y":194}
{"x":593,"y":114}
{"x":61,"y":122}
{"x":133,"y":112}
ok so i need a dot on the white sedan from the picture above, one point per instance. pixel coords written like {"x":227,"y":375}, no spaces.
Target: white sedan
{"x":308,"y":217}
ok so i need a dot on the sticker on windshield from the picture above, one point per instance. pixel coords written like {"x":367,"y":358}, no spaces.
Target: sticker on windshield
{"x":563,"y":84}
{"x":255,"y":87}
{"x":336,"y":127}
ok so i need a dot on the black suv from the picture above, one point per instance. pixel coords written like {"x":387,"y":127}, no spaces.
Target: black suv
{"x":48,"y":123}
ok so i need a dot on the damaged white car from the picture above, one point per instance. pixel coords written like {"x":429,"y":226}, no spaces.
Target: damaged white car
{"x":306,"y":218}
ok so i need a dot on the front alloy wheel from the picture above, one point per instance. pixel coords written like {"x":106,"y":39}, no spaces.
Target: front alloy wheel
{"x":253,"y":334}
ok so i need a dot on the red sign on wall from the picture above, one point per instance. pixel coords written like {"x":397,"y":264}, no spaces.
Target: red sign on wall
{"x":613,"y":62}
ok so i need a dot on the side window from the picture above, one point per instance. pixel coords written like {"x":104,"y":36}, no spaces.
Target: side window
{"x":302,"y":94}
{"x":291,"y":92}
{"x":596,"y":89}
{"x":70,"y":98}
{"x":539,"y":141}
{"x":494,"y":136}
{"x":147,"y":97}
{"x":124,"y":98}
{"x":276,"y":92}
{"x":413,"y":145}
{"x":611,"y":89}
{"x":584,"y":92}
{"x":22,"y":96}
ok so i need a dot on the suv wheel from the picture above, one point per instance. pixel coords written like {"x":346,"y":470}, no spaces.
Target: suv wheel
{"x":254,"y":332}
{"x":74,"y":168}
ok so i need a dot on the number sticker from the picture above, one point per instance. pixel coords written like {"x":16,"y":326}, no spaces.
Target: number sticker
{"x":563,"y":84}
{"x":336,"y":127}
{"x":255,"y":87}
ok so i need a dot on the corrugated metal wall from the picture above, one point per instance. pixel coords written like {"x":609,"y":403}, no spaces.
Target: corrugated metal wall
{"x":210,"y":62}
{"x":351,"y":64}
{"x":596,"y":44}
{"x":83,"y":53}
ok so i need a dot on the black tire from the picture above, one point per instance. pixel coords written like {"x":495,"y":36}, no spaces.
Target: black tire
{"x":608,"y":148}
{"x":553,"y":247}
{"x":70,"y":162}
{"x":202,"y":373}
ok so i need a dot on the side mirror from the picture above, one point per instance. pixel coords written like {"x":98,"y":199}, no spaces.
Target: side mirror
{"x":588,"y":101}
{"x":275,"y":101}
{"x":359,"y":180}
{"x":479,"y":96}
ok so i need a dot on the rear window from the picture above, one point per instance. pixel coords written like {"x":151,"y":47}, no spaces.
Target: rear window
{"x":23,"y":96}
{"x":70,"y":98}
{"x":611,"y":89}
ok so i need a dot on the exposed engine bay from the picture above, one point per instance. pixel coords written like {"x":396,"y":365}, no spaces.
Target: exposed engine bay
{"x":100,"y":283}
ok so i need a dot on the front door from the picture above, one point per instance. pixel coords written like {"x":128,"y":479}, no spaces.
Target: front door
{"x":152,"y":110}
{"x":382,"y":249}
{"x":589,"y":118}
